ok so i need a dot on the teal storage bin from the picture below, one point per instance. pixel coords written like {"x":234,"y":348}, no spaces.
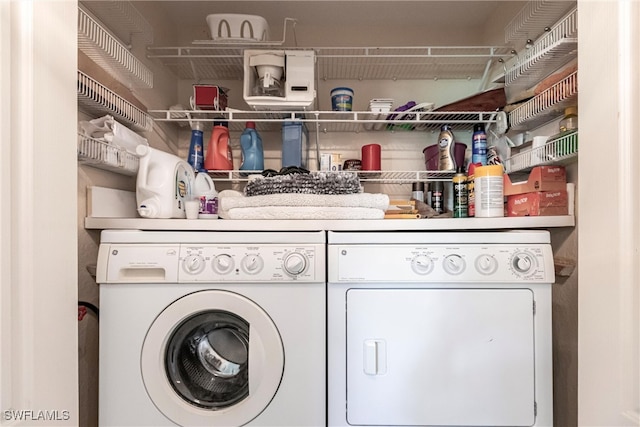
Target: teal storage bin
{"x":295,"y":140}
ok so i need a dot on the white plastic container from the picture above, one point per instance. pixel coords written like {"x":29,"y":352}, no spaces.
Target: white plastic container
{"x":205,"y":190}
{"x":164,"y":183}
{"x":238,"y":27}
{"x":489,"y":191}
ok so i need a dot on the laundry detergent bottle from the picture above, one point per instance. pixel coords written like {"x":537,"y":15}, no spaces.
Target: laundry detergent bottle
{"x":163,"y":184}
{"x":252,"y":151}
{"x":219,"y":155}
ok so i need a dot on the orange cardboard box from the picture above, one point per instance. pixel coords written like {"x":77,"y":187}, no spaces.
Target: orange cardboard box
{"x":541,"y":178}
{"x":541,"y":203}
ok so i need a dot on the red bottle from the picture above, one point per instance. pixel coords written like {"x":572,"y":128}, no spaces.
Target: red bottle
{"x":219,"y":155}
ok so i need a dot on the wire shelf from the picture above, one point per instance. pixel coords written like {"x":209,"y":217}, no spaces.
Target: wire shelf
{"x":387,"y":177}
{"x":534,"y":18}
{"x":102,"y":155}
{"x":124,"y":19}
{"x":94,"y":98}
{"x":366,"y":63}
{"x":559,"y":150}
{"x":331,"y":121}
{"x":108,"y":52}
{"x":550,"y":52}
{"x":547,"y":105}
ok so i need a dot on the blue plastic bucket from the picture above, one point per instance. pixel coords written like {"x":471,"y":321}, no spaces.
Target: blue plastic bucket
{"x":341,"y":99}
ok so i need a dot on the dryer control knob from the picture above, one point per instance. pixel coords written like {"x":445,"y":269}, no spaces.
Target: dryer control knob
{"x":454,"y":264}
{"x":422,"y":264}
{"x":294,"y":263}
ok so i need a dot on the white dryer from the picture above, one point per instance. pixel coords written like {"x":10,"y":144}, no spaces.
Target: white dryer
{"x":440,"y":329}
{"x":212,"y":328}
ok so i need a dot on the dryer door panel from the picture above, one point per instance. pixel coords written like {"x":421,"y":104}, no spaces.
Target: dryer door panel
{"x":440,"y":357}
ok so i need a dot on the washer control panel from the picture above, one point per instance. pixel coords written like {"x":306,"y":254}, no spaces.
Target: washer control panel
{"x":215,"y":263}
{"x":442,"y":263}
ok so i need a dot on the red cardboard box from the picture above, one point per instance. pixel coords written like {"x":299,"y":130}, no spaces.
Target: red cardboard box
{"x":209,"y":97}
{"x":541,"y":203}
{"x":541,"y":178}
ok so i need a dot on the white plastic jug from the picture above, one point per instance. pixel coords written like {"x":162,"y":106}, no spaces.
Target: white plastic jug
{"x":164,"y":182}
{"x":205,"y":190}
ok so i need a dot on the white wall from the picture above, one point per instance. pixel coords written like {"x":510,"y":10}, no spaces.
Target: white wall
{"x":609,"y":202}
{"x":38,"y":292}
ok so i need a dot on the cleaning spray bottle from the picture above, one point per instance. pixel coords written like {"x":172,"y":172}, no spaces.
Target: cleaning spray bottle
{"x":252,"y":151}
{"x":219,"y":155}
{"x":196,"y":148}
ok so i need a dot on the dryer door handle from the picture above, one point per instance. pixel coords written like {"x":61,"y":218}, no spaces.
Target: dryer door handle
{"x":375,"y":357}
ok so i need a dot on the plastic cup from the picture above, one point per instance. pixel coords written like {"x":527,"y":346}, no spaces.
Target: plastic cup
{"x":192,"y":208}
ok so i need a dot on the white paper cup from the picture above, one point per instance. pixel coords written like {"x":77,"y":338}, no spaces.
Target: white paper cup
{"x":192,"y":208}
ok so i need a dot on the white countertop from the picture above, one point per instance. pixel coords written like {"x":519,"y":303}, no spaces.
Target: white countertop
{"x":312,"y":225}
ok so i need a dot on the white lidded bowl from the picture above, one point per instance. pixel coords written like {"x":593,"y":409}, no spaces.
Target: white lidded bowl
{"x":237,"y":27}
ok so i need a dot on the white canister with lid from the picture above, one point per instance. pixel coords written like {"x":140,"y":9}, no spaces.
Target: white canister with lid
{"x":205,"y":190}
{"x":489,"y":191}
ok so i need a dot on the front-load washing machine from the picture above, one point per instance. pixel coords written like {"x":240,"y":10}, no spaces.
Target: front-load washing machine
{"x":212,"y":328}
{"x":440,"y":329}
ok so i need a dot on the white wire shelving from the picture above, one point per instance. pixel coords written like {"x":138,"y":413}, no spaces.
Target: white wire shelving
{"x":95,"y":98}
{"x":547,"y":105}
{"x":331,"y":121}
{"x":365,"y":63}
{"x":535,"y":18}
{"x":125,"y":21}
{"x":558,"y":151}
{"x":108,"y":52}
{"x":102,"y":155}
{"x":383,"y":177}
{"x":553,"y":50}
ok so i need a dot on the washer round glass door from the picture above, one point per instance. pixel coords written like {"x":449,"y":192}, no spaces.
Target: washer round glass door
{"x":212,"y":358}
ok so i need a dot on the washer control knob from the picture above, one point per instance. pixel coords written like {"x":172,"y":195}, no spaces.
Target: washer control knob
{"x":223,"y":264}
{"x":252,"y":264}
{"x":454,"y":264}
{"x":486,"y":264}
{"x":294,"y":263}
{"x":422,"y":264}
{"x":523,"y":262}
{"x":193,"y":264}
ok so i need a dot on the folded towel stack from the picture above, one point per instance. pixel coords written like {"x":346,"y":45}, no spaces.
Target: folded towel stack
{"x":305,"y":183}
{"x":233,"y":205}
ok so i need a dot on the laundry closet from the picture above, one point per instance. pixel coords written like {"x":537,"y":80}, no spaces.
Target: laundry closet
{"x":139,"y":62}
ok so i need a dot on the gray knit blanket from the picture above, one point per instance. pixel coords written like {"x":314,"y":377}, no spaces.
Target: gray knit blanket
{"x":305,"y":183}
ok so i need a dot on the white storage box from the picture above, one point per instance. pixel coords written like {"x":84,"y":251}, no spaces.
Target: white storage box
{"x":237,"y":27}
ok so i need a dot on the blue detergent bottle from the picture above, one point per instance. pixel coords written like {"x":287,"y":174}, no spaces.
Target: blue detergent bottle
{"x":252,"y":151}
{"x":196,"y":148}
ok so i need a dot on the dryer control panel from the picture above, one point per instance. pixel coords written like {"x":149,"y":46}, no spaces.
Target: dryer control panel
{"x":449,"y":263}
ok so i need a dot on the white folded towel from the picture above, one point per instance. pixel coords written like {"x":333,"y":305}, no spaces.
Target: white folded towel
{"x":304,"y":212}
{"x":232,"y":199}
{"x":107,"y":129}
